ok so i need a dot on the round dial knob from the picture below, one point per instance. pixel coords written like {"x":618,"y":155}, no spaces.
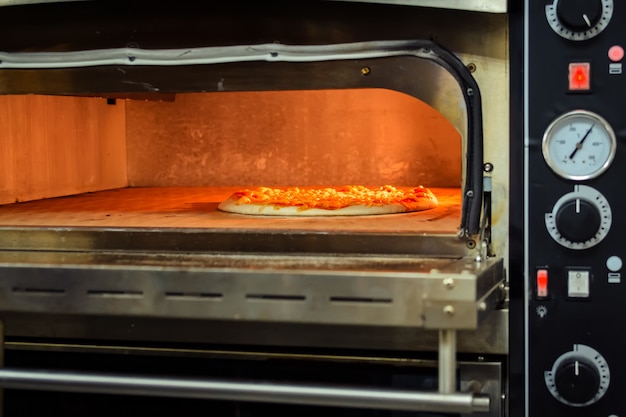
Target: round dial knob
{"x":579,"y":15}
{"x":579,"y":377}
{"x":580,"y":219}
{"x":579,"y":20}
{"x":577,"y":380}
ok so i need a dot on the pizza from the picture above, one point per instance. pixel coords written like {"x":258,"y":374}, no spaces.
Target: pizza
{"x":352,"y":200}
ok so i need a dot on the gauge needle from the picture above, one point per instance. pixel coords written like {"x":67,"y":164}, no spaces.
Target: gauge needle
{"x":579,"y":145}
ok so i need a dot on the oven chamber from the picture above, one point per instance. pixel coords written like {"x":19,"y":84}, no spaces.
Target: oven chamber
{"x":112,"y":246}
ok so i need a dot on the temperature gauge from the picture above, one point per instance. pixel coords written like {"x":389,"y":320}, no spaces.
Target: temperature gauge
{"x":579,"y":145}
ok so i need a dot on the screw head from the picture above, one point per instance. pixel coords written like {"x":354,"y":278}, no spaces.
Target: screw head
{"x":449,"y":310}
{"x":449,"y":283}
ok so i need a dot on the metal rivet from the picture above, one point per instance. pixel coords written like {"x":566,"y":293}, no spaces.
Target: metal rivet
{"x":470,"y":91}
{"x":366,"y":71}
{"x":482,"y":306}
{"x":469,"y":193}
{"x":449,"y":283}
{"x":131,"y":58}
{"x":471,"y":67}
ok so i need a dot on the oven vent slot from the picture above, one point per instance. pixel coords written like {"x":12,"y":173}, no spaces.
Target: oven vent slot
{"x":361,"y":300}
{"x":276,"y":297}
{"x":38,"y":291}
{"x":115,"y":293}
{"x":191,"y":296}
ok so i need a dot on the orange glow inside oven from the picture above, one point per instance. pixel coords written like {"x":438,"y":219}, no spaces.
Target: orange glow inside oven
{"x":291,"y":138}
{"x":168,"y":163}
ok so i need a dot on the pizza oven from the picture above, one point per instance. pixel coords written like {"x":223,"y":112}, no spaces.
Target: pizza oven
{"x":126,"y":124}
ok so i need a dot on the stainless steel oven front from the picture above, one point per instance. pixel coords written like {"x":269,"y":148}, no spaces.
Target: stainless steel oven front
{"x":122,"y":286}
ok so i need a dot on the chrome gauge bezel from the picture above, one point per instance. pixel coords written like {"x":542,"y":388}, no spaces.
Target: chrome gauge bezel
{"x":549,"y":136}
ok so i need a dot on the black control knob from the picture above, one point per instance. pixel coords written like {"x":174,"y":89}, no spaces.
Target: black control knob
{"x":577,"y":381}
{"x":579,"y":15}
{"x":578,"y":220}
{"x":579,"y":20}
{"x":579,"y":377}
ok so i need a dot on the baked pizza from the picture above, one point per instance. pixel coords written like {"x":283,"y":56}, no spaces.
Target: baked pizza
{"x":352,"y":200}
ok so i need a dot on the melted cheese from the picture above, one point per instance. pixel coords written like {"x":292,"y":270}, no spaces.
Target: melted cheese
{"x":337,"y":198}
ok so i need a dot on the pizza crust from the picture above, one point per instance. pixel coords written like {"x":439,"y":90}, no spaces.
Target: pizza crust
{"x":231,"y":206}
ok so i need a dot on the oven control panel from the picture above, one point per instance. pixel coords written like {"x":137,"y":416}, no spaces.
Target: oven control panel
{"x":575,"y":208}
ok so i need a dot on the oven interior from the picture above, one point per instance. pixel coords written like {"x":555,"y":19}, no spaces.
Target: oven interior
{"x":167,"y":164}
{"x":115,"y":256}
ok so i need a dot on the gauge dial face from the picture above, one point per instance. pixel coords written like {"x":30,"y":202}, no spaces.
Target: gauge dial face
{"x":579,"y":145}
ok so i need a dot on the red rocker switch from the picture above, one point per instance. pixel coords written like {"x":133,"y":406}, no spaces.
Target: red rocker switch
{"x":542,"y":283}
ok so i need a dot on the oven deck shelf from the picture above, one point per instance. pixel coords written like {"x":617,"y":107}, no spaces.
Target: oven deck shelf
{"x":196,"y":207}
{"x":186,"y":219}
{"x":167,"y":254}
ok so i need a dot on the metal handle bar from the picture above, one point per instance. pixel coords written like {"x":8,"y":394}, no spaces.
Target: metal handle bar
{"x":244,"y":391}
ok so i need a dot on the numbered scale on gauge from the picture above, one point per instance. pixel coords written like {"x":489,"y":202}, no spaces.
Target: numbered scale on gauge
{"x":579,"y":145}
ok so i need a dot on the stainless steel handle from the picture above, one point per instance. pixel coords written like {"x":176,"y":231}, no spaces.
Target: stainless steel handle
{"x":244,"y":391}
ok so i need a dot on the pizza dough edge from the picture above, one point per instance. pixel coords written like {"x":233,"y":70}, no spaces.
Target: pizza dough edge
{"x":230,"y":206}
